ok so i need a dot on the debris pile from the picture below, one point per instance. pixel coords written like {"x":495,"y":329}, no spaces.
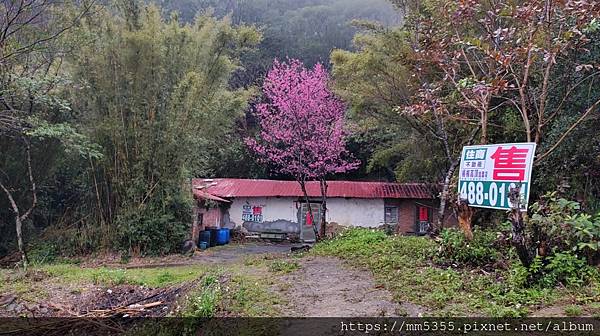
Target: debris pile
{"x":132,"y":301}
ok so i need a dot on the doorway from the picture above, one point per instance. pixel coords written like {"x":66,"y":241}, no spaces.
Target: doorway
{"x":423,"y":219}
{"x":307,"y":233}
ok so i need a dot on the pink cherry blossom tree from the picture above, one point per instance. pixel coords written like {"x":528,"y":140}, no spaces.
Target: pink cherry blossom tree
{"x":302,"y":128}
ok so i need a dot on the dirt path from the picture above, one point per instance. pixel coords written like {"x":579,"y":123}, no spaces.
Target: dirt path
{"x":320,"y":287}
{"x":325,"y":287}
{"x":227,"y":254}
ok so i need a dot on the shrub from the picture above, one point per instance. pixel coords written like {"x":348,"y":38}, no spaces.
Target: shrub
{"x":568,"y":269}
{"x":560,"y":225}
{"x":455,"y":248}
{"x":563,"y":268}
{"x":362,"y":243}
{"x":44,"y":253}
{"x":151,"y":232}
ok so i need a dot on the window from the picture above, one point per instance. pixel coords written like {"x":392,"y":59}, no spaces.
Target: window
{"x":391,"y":215}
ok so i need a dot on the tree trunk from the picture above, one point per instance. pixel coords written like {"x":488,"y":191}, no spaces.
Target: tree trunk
{"x":444,"y":198}
{"x":19,"y":227}
{"x":465,"y":215}
{"x":306,"y":199}
{"x":518,"y":228}
{"x":15,"y":208}
{"x":323,"y":185}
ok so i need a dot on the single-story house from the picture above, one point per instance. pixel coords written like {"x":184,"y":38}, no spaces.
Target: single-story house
{"x":275,"y":207}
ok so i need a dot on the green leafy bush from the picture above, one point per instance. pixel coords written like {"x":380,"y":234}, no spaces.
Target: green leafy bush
{"x":560,"y":225}
{"x":567,"y":269}
{"x":155,"y":231}
{"x":455,"y":248}
{"x":564,"y":268}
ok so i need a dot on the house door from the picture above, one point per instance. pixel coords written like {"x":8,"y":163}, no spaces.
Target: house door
{"x":423,"y":219}
{"x":307,"y":233}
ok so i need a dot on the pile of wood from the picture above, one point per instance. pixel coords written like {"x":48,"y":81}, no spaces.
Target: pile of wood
{"x":124,"y":311}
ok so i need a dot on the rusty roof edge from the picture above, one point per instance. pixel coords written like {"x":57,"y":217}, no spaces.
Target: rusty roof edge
{"x":362,"y":189}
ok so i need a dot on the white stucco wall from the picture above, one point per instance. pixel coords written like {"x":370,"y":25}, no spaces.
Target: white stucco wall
{"x":273,"y":208}
{"x":355,"y":211}
{"x":348,"y":212}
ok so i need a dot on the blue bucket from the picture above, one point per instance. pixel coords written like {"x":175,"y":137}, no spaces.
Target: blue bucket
{"x":203,"y":245}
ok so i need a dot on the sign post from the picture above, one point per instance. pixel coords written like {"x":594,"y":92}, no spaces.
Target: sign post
{"x":488,"y":173}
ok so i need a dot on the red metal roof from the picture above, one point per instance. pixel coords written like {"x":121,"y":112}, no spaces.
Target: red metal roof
{"x":227,"y":188}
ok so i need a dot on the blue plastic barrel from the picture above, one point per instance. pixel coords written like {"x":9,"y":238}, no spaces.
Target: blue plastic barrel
{"x":204,"y":238}
{"x":228,"y":236}
{"x":214,"y":235}
{"x":222,"y":236}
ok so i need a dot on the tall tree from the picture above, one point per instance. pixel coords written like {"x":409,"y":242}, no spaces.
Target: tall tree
{"x":156,"y":96}
{"x":479,"y":66}
{"x":302,"y":128}
{"x":392,"y":87}
{"x":503,"y":54}
{"x":31,"y":83}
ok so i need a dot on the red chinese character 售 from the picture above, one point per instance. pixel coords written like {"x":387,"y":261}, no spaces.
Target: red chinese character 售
{"x":510,"y":163}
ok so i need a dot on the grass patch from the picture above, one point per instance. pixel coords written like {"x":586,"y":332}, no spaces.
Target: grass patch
{"x":573,"y":311}
{"x":26,"y":285}
{"x":233,"y":291}
{"x":283,"y":266}
{"x":405,"y":266}
{"x":150,"y":277}
{"x":250,"y":296}
{"x":205,"y":300}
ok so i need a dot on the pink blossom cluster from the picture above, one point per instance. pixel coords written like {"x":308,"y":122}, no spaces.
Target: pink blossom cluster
{"x":302,"y":131}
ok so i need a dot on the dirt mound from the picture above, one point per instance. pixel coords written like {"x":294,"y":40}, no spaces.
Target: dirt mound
{"x":10,"y":260}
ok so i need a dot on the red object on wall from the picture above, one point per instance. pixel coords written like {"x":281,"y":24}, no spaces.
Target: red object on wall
{"x":423,"y":214}
{"x":308,"y":219}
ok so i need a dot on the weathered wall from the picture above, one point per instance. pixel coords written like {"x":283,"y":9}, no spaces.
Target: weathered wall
{"x":212,"y":217}
{"x":355,"y":211}
{"x":278,"y":214}
{"x":281,"y":214}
